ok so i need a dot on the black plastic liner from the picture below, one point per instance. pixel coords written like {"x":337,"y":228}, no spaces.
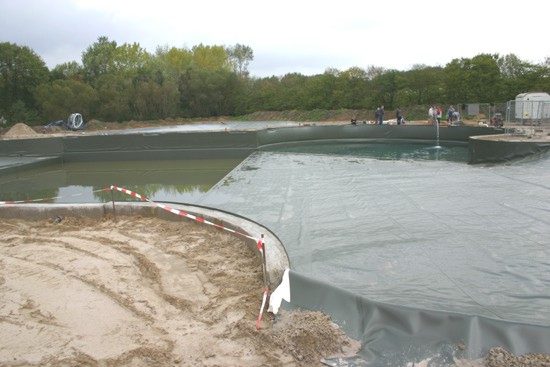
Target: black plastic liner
{"x":482,"y":151}
{"x":168,"y":144}
{"x":393,"y":335}
{"x":460,"y":251}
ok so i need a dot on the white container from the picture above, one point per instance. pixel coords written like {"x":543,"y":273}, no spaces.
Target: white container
{"x":532,"y":106}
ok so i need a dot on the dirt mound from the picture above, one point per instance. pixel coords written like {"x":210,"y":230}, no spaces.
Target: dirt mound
{"x":21,"y":130}
{"x":500,"y":357}
{"x":307,"y":335}
{"x":143,"y":291}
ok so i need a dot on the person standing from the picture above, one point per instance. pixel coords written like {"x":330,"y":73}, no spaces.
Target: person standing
{"x":438,"y":114}
{"x":377,"y":115}
{"x":398,"y":116}
{"x":431,"y":114}
{"x":450,"y":113}
{"x":381,"y":115}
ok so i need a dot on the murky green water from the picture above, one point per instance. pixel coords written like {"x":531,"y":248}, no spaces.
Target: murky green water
{"x":170,"y":180}
{"x":380,"y":151}
{"x":178,"y":180}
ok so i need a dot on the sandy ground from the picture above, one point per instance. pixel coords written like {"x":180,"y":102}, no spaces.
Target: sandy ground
{"x":143,"y":292}
{"x":496,"y":357}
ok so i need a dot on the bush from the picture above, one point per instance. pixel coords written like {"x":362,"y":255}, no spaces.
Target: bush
{"x":19,"y":112}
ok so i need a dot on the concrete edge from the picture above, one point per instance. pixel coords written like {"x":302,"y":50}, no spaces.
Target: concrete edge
{"x":277,"y":259}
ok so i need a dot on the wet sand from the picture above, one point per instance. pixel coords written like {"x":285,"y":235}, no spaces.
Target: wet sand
{"x":143,"y":292}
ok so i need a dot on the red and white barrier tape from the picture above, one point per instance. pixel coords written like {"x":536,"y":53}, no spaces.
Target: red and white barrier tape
{"x":182,"y":213}
{"x":259,"y":319}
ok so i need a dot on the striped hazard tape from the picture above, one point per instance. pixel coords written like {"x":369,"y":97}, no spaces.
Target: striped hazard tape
{"x":183,"y":213}
{"x":262,"y":307}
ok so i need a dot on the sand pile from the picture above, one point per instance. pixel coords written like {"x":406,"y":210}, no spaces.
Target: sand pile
{"x":20,"y":130}
{"x":143,"y":292}
{"x":495,"y":357}
{"x":500,"y":357}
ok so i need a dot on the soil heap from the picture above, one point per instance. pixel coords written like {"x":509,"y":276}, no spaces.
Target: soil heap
{"x":143,"y":292}
{"x":20,"y":130}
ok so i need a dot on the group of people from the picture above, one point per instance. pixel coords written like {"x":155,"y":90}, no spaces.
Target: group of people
{"x":435,"y":113}
{"x":379,"y":116}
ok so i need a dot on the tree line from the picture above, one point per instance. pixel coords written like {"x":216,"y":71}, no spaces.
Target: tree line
{"x":119,"y":82}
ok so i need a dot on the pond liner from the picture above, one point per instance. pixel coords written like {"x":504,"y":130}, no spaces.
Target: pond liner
{"x":232,"y":143}
{"x":385,"y":133}
{"x":394,"y":335}
{"x":419,"y":237}
{"x":492,"y":151}
{"x":170,"y":144}
{"x":17,"y":164}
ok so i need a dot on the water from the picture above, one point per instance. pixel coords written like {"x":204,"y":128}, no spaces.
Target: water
{"x":169,"y":180}
{"x":381,"y":151}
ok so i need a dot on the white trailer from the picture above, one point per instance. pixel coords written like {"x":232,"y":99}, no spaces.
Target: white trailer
{"x":532,"y":107}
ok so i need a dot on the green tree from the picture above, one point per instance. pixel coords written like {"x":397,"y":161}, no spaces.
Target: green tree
{"x":319,"y":90}
{"x":240,"y":57}
{"x":456,"y":81}
{"x":473,"y":80}
{"x":210,"y":57}
{"x":422,"y":85}
{"x":19,"y":112}
{"x":98,"y":59}
{"x":151,"y":100}
{"x":60,"y":98}
{"x":484,"y":79}
{"x":105,"y":57}
{"x":374,"y":71}
{"x":173,"y":61}
{"x":542,"y":82}
{"x":114,"y":92}
{"x":290,"y":93}
{"x":384,"y":88}
{"x":68,"y":70}
{"x":207,"y":93}
{"x":21,"y":71}
{"x":351,"y":89}
{"x":264,"y":95}
{"x":519,"y":76}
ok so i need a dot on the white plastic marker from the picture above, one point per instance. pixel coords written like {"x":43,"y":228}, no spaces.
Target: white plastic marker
{"x":280,"y":293}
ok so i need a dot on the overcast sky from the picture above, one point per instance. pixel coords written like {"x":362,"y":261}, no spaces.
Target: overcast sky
{"x":289,"y":35}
